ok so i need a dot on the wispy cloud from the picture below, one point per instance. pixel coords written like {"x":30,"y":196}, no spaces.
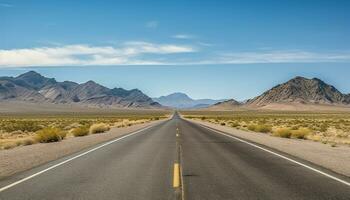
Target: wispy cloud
{"x":205,"y":44}
{"x":183,"y":36}
{"x":6,"y":5}
{"x":152,"y":24}
{"x":129,"y":53}
{"x":292,"y":56}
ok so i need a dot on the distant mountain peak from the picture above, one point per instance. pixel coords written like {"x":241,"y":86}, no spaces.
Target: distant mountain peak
{"x":178,"y":95}
{"x":301,"y":90}
{"x":228,"y":102}
{"x":182,"y":100}
{"x":33,"y":80}
{"x":30,"y":74}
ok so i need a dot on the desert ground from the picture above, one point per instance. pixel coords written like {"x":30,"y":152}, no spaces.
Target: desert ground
{"x":328,"y":127}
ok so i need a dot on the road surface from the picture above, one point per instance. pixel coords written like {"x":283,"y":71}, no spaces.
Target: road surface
{"x":143,"y":166}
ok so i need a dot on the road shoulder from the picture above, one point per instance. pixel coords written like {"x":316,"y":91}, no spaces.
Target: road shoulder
{"x":26,"y":157}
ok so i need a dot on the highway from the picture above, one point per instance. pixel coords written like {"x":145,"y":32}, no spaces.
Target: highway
{"x":175,"y":159}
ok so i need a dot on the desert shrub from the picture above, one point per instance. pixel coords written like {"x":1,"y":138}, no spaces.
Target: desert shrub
{"x":251,"y":127}
{"x":282,"y":132}
{"x":80,"y":131}
{"x":17,"y":125}
{"x":72,"y":126}
{"x":234,"y":124}
{"x":203,"y":118}
{"x":263,"y":128}
{"x":99,"y":128}
{"x":259,"y":128}
{"x":222,"y":123}
{"x":301,"y":133}
{"x":323,"y":127}
{"x":50,"y":134}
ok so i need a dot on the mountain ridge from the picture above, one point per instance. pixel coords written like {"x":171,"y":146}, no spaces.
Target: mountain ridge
{"x":298,"y":93}
{"x":33,"y":87}
{"x":301,"y":90}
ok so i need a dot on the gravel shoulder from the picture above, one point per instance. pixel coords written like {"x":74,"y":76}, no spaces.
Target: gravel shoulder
{"x":336,"y":159}
{"x":26,"y":157}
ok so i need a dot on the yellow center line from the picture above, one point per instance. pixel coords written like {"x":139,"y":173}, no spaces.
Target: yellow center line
{"x":176,"y":180}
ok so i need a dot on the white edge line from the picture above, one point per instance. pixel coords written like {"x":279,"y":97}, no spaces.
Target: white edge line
{"x":70,"y":159}
{"x":279,"y":155}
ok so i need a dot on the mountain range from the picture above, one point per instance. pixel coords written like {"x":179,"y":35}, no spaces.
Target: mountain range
{"x":298,"y":92}
{"x":33,"y":87}
{"x":181,"y":100}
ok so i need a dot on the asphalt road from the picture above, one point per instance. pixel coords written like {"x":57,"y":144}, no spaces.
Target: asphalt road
{"x":141,"y":166}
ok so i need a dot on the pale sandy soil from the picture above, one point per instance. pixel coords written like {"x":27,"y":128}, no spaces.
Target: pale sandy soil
{"x":336,"y":159}
{"x":19,"y":107}
{"x":26,"y":157}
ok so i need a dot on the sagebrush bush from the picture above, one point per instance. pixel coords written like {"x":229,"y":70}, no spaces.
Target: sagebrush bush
{"x":234,"y":124}
{"x":263,"y":128}
{"x":99,"y":128}
{"x":251,"y":127}
{"x":259,"y":128}
{"x":80,"y":131}
{"x":50,"y":134}
{"x":282,"y":132}
{"x":301,"y":133}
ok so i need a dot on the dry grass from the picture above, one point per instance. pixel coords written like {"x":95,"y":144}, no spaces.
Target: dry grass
{"x":80,"y":131}
{"x":21,"y":129}
{"x":301,"y":133}
{"x":260,"y":128}
{"x":282,"y":132}
{"x":325,"y":127}
{"x":50,"y":134}
{"x":99,"y":128}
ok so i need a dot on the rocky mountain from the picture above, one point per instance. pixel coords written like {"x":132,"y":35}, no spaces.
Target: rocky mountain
{"x":226,"y":105}
{"x":34,"y":87}
{"x":181,"y":100}
{"x":303,"y":91}
{"x":230,"y":102}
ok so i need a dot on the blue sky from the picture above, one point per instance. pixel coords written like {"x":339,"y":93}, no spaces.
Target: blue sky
{"x":208,"y":49}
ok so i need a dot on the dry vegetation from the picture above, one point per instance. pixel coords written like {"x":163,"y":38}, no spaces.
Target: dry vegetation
{"x":26,"y":129}
{"x":326,"y":127}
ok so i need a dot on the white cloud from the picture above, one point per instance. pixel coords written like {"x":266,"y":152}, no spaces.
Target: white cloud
{"x":152,"y":24}
{"x":127,"y":54}
{"x":146,"y":53}
{"x":183,"y":36}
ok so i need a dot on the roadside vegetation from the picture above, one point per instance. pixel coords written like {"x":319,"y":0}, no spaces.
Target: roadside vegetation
{"x":22,"y":130}
{"x":327,"y":127}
